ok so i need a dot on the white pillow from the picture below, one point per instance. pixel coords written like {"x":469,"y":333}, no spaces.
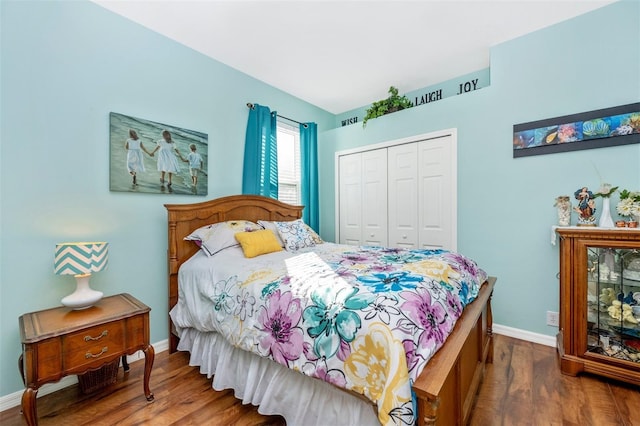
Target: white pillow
{"x":219,"y":236}
{"x":273,"y":226}
{"x":296,"y":234}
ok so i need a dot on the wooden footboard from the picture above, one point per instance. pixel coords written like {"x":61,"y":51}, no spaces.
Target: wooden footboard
{"x":447,"y":387}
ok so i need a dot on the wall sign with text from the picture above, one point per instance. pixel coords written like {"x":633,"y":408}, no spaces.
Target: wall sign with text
{"x":458,"y":86}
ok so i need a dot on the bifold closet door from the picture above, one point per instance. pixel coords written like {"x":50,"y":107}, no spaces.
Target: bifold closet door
{"x":363,"y":198}
{"x":403,"y":195}
{"x":350,"y":186}
{"x":435,"y":189}
{"x":374,"y":197}
{"x":420,"y":192}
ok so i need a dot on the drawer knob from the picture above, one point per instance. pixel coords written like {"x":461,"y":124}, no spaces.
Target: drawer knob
{"x":89,"y":338}
{"x":90,"y":355}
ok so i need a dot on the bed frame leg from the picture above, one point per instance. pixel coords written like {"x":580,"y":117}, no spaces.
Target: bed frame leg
{"x":490,"y":330}
{"x":431,"y":406}
{"x":173,"y":342}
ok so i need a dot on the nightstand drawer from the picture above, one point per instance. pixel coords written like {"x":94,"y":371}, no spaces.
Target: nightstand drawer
{"x":87,"y":346}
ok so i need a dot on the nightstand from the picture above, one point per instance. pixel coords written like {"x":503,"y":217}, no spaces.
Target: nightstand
{"x":59,"y":342}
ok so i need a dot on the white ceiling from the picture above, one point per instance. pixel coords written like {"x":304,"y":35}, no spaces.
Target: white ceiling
{"x":341,"y":55}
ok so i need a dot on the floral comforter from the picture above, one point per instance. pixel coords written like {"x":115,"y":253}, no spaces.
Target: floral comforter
{"x":362,"y":318}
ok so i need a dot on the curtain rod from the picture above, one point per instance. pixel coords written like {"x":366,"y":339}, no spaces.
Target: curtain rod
{"x":250,"y":105}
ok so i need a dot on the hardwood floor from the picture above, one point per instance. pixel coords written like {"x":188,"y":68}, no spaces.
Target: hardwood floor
{"x":523,"y":386}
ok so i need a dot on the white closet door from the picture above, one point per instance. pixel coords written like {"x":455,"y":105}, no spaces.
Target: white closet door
{"x":350,"y":185}
{"x":436,"y":192}
{"x":403,"y":195}
{"x":417,"y":205}
{"x":374,"y":197}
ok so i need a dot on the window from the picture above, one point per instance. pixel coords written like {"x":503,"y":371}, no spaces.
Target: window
{"x":288,"y":163}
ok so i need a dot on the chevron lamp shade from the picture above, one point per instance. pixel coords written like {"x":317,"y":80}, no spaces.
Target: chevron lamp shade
{"x":81,"y":258}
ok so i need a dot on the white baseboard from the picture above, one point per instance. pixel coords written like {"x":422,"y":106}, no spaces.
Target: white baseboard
{"x":529,"y":336}
{"x":15,"y":399}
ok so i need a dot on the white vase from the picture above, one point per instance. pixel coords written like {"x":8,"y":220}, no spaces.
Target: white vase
{"x":606,"y":221}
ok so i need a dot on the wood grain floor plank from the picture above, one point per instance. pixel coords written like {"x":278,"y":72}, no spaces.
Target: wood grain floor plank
{"x":602,"y":406}
{"x":546,"y":387}
{"x":493,"y":391}
{"x":518,"y":408}
{"x":627,"y":400}
{"x":575,"y":410}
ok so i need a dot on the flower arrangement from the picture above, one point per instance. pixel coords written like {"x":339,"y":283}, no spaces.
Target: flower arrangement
{"x":605,"y":191}
{"x":629,"y":204}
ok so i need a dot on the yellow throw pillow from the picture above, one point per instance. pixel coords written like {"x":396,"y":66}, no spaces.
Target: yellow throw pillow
{"x":255,"y":243}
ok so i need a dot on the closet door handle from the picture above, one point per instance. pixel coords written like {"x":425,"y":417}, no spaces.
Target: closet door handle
{"x":404,"y":237}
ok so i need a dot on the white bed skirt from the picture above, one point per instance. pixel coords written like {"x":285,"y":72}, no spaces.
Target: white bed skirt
{"x":301,"y":400}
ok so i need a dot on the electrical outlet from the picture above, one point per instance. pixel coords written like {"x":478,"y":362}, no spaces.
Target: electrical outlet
{"x":552,"y":318}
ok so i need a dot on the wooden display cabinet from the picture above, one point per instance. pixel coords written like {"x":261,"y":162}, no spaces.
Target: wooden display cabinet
{"x":598,"y":267}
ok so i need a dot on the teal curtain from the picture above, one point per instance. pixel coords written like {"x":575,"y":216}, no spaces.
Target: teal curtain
{"x":260,"y":170}
{"x":309,"y":174}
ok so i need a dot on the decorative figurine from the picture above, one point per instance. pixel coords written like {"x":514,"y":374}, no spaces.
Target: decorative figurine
{"x":607,"y":295}
{"x":564,"y":210}
{"x":586,"y":207}
{"x":621,"y":311}
{"x":628,"y":299}
{"x":615,"y":310}
{"x":627,"y":314}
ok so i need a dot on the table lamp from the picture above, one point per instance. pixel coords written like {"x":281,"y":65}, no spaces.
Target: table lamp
{"x":80,"y":260}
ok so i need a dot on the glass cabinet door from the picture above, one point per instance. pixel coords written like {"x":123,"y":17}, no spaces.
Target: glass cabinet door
{"x":613,"y":300}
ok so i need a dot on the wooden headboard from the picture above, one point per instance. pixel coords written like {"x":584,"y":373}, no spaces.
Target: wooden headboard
{"x":185,"y":218}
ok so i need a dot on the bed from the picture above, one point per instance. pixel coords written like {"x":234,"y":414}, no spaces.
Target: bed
{"x":444,"y":391}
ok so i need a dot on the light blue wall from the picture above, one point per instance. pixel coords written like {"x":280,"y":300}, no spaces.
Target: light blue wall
{"x":65,"y":66}
{"x":506,"y":204}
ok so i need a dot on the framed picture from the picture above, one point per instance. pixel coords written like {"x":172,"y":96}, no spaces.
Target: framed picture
{"x":594,"y":129}
{"x":151,"y":157}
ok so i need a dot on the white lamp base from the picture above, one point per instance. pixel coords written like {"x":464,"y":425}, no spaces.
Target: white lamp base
{"x":84,"y":296}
